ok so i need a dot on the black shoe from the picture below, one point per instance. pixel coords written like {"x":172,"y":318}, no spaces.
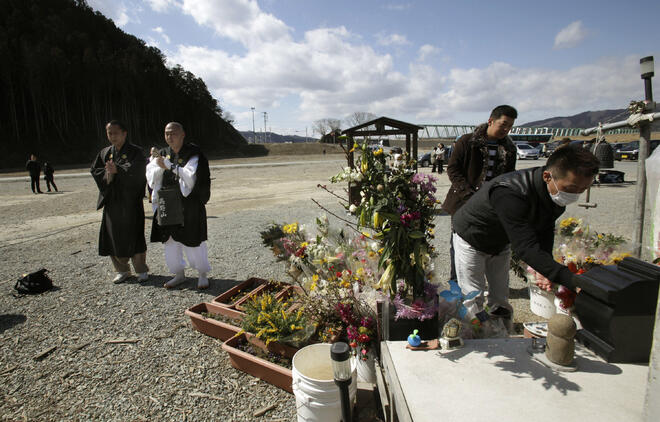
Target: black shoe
{"x":48,"y":190}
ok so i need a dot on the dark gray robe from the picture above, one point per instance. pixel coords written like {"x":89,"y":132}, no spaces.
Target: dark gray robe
{"x":122,"y":226}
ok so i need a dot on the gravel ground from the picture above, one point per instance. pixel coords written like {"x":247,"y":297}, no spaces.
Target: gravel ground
{"x":161,"y":375}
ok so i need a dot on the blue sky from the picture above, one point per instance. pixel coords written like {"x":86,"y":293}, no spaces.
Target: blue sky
{"x":418,"y":61}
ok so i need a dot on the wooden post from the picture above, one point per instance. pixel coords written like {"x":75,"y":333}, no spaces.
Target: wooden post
{"x":414,"y":153}
{"x":408,"y":144}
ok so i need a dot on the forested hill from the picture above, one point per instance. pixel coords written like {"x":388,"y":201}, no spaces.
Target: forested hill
{"x":67,"y":70}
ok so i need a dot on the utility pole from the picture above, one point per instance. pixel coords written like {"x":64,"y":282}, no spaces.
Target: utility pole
{"x":254,"y":134}
{"x":265,"y":113}
{"x":647,"y":71}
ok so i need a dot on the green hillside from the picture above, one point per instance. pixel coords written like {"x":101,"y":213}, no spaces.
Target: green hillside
{"x":66,"y":70}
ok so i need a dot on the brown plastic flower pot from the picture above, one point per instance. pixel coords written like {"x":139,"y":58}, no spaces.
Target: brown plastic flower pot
{"x":274,"y":347}
{"x":273,"y":374}
{"x":212,"y":327}
{"x":249,"y":285}
{"x":278,"y":288}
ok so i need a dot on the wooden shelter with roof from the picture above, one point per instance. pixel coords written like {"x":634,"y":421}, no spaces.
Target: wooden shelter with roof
{"x":382,"y":126}
{"x":385,"y":126}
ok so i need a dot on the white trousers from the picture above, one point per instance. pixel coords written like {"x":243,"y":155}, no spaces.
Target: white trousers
{"x":474,"y":269}
{"x":197,"y":256}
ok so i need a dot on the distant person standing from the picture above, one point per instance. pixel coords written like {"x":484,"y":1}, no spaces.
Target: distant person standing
{"x":478,"y":157}
{"x":34,"y":168}
{"x":119,"y":172}
{"x":439,"y":158}
{"x":48,"y":176}
{"x":182,"y":167}
{"x":153,"y":154}
{"x":433,"y":158}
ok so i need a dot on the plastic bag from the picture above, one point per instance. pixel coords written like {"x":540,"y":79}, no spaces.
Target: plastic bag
{"x":652,"y":192}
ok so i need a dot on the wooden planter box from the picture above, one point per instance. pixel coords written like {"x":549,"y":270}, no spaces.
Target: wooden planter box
{"x":271,"y":373}
{"x":249,"y":284}
{"x":212,"y":327}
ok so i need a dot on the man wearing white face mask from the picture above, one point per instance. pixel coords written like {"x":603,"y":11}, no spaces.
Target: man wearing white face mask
{"x":517,"y":211}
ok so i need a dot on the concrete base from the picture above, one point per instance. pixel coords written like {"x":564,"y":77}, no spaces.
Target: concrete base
{"x":497,"y":379}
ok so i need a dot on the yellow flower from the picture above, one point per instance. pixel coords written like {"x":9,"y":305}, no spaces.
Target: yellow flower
{"x":304,"y":244}
{"x":345,"y":284}
{"x":367,"y":235}
{"x":312,"y":287}
{"x":378,"y":152}
{"x":290,"y":228}
{"x":292,"y":327}
{"x":315,"y":278}
{"x":380,"y":251}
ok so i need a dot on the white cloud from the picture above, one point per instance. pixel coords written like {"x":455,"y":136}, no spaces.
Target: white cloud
{"x":608,"y":83}
{"x":239,"y":20}
{"x":161,"y":5}
{"x":397,"y":6}
{"x":392,"y":39}
{"x":331,"y":72}
{"x":426,"y":51}
{"x":115,"y":10}
{"x":570,"y":36}
{"x":162,"y":33}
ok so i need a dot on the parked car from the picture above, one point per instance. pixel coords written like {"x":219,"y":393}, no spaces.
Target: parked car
{"x":631,"y":151}
{"x":424,"y":160}
{"x":526,"y":151}
{"x":549,"y":147}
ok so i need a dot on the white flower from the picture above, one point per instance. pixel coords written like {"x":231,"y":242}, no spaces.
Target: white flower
{"x":352,"y":208}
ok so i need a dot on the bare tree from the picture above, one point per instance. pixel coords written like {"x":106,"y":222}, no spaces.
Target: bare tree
{"x":359,"y":117}
{"x":325,"y":126}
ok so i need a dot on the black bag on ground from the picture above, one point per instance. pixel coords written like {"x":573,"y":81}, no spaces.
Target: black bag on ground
{"x":33,"y":283}
{"x":170,"y":206}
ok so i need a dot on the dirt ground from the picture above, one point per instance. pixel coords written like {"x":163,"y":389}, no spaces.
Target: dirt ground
{"x":252,"y":183}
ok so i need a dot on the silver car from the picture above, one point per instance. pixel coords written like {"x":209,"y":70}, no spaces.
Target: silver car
{"x":526,"y":151}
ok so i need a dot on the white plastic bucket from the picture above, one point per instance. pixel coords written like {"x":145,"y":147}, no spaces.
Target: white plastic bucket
{"x":317,"y":395}
{"x":541,"y":303}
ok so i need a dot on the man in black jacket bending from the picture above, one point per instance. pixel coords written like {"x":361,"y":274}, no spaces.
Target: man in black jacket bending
{"x":517,"y":211}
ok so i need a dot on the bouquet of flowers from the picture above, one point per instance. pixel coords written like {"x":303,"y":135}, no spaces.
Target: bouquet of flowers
{"x":360,"y":329}
{"x":337,"y":271}
{"x":580,"y":249}
{"x":396,"y":208}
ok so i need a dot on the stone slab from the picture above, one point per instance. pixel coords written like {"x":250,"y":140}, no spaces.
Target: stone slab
{"x":497,"y":380}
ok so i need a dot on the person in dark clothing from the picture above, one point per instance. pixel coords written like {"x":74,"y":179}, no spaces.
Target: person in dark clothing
{"x":119,"y":173}
{"x":478,"y":157}
{"x":517,"y":211}
{"x":48,"y":176}
{"x":34,"y":168}
{"x":182,"y":165}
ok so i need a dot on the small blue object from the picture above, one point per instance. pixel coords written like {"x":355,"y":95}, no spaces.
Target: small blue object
{"x":414,"y":340}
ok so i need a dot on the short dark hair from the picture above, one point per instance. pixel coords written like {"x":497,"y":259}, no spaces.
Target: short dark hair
{"x":572,"y":158}
{"x":118,"y":123}
{"x":503,"y":110}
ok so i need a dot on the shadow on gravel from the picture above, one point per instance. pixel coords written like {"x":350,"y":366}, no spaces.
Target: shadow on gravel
{"x":216,"y":285}
{"x":10,"y":320}
{"x":521,"y":293}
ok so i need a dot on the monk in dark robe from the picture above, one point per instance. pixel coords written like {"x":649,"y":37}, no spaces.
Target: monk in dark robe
{"x":184,"y":166}
{"x":119,"y":172}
